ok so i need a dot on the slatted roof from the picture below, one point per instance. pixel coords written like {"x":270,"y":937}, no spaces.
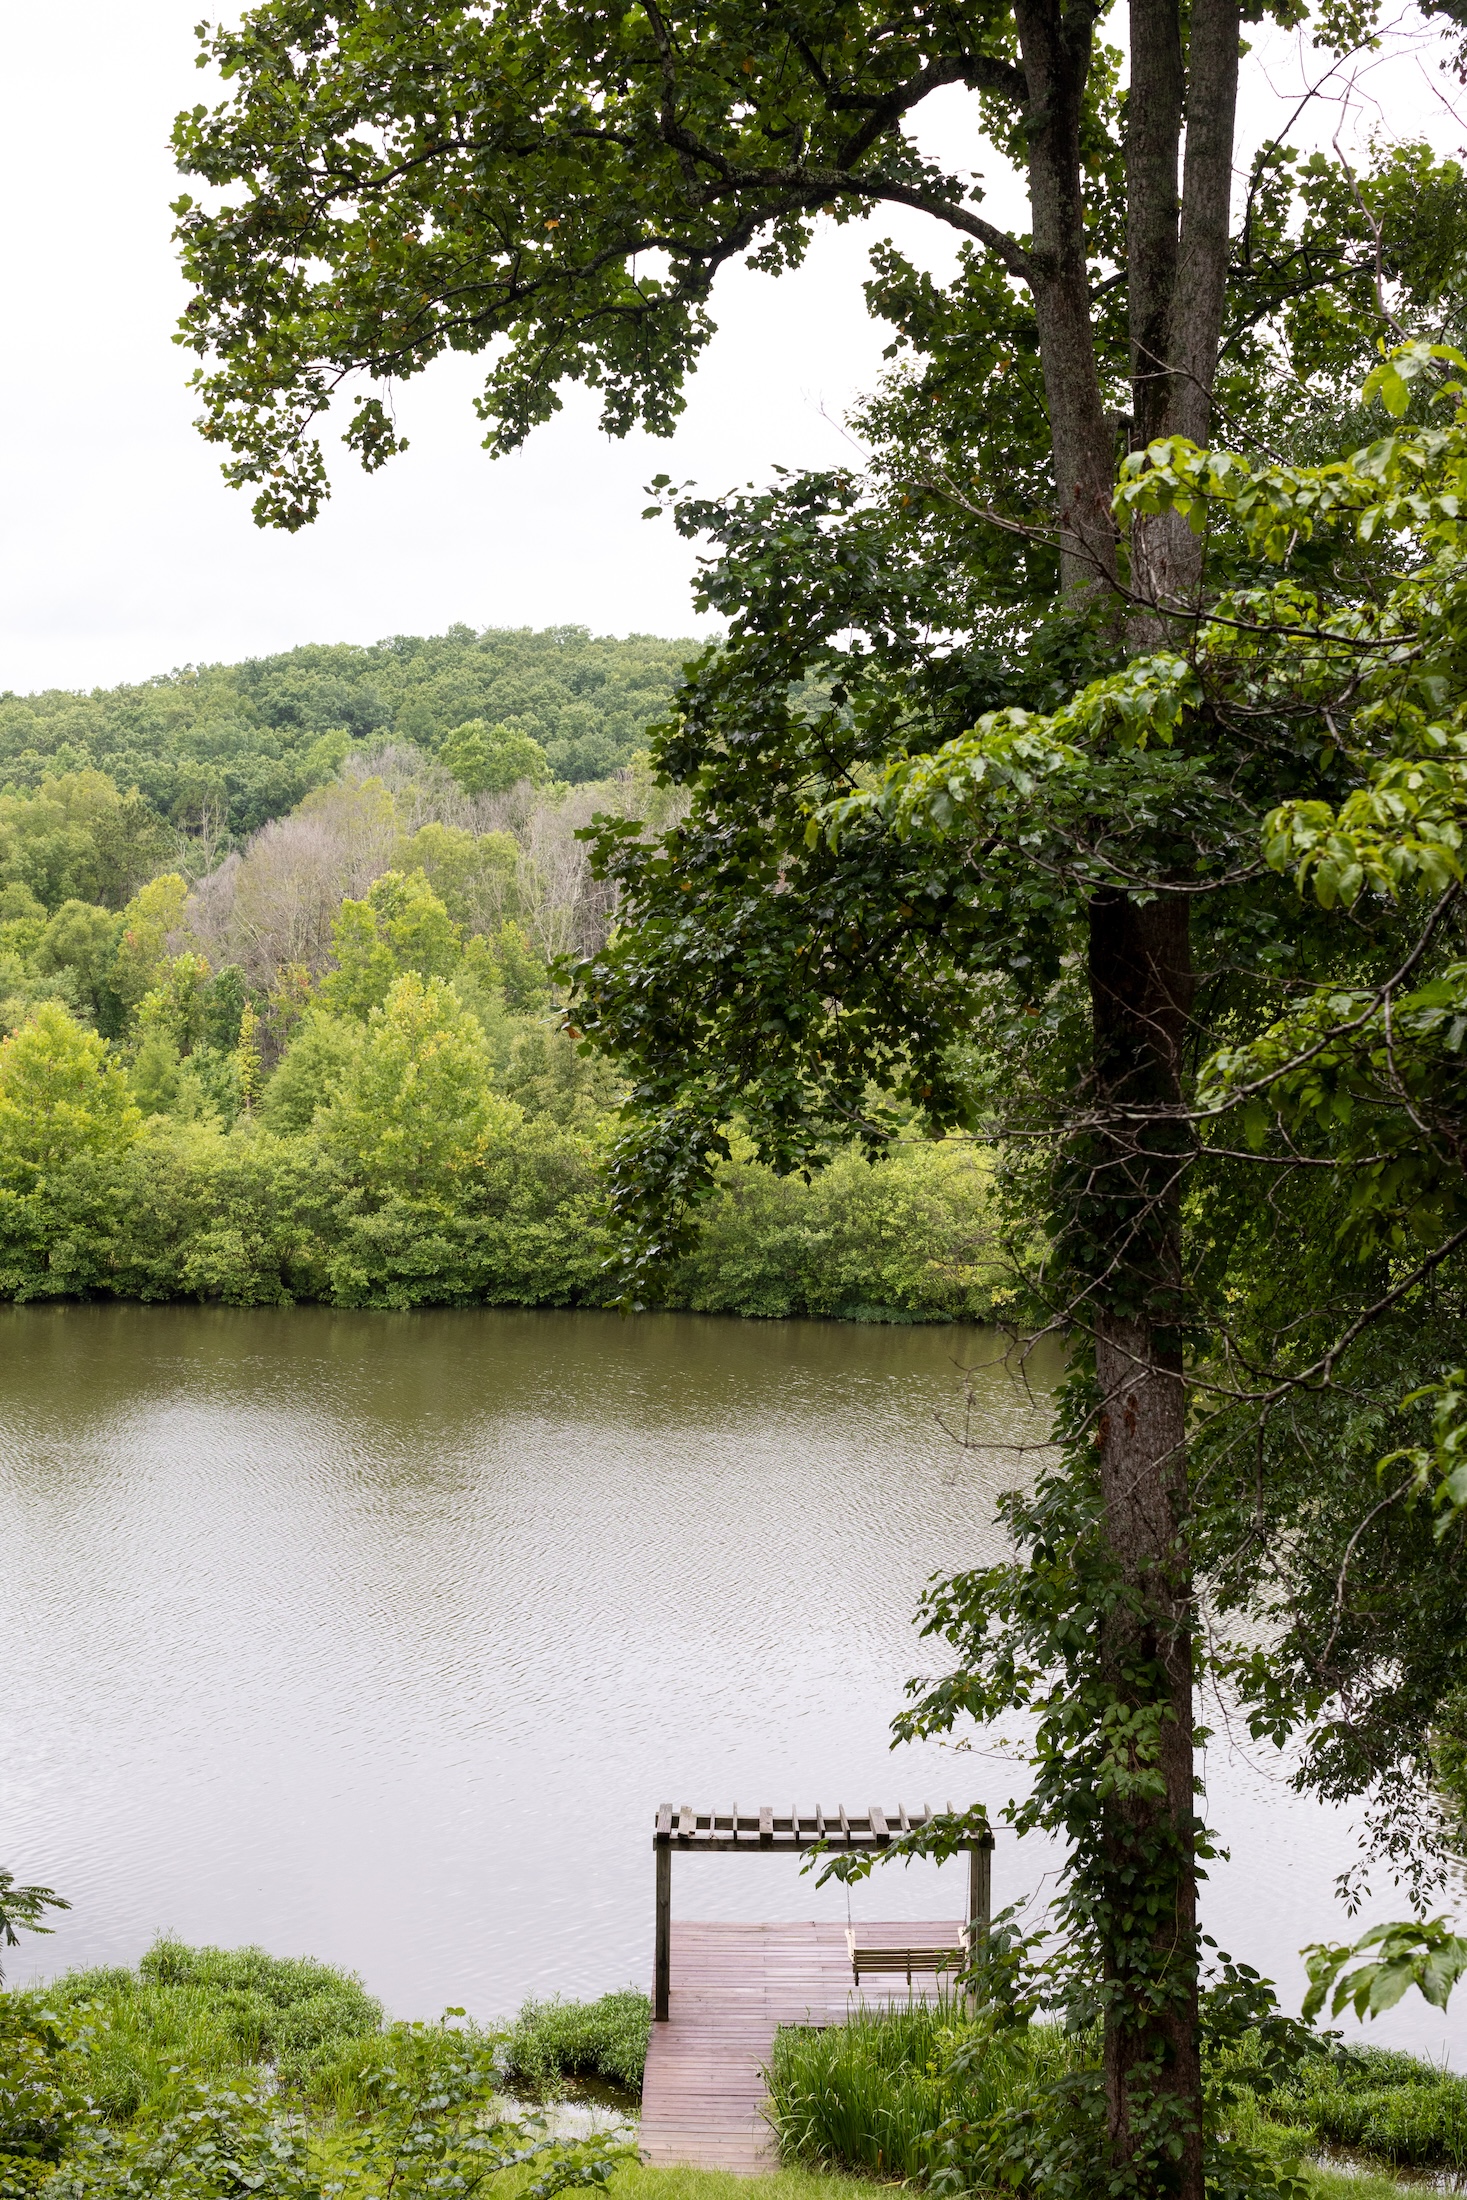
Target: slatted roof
{"x":787,"y":1831}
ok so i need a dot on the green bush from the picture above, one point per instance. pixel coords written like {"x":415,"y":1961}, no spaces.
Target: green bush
{"x":344,"y":2082}
{"x":1383,"y":2105}
{"x":909,"y":1238}
{"x":213,"y":2074}
{"x":425,"y":2117}
{"x":394,"y":1163}
{"x":213,"y":2013}
{"x":605,"y":2039}
{"x":43,"y":2102}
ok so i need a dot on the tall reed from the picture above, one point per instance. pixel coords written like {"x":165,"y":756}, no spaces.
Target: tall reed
{"x":884,"y":2091}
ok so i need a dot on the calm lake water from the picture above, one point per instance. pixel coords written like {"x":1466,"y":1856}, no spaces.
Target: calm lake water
{"x":380,"y":1637}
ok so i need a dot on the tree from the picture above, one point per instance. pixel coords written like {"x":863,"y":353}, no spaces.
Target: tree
{"x":450,"y":178}
{"x":473,"y":874}
{"x":61,"y":1095}
{"x":153,"y":914}
{"x":310,"y":1071}
{"x":492,"y":759}
{"x":854,"y":899}
{"x":77,"y":838}
{"x":400,"y":926}
{"x":83,"y":939}
{"x":572,"y":181}
{"x":178,"y":1008}
{"x":412,"y":1111}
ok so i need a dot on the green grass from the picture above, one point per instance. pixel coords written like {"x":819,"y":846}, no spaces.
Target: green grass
{"x":549,"y":2042}
{"x":605,"y":2039}
{"x":1379,"y":2106}
{"x":798,"y":2182}
{"x":218,"y":2013}
{"x":1330,"y":2184}
{"x":795,"y":2182}
{"x":871,"y":2095}
{"x":210,"y":2013}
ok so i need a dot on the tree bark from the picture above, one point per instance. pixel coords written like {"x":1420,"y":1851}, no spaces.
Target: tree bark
{"x":1175,"y":344}
{"x":1141,"y":990}
{"x":1207,"y":192}
{"x":1153,"y":146}
{"x":1055,"y":48}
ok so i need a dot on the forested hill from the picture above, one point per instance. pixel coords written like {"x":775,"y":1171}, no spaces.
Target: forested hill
{"x":240,"y":744}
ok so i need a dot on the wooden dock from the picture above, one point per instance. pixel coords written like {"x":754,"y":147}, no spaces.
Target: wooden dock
{"x":730,"y":1986}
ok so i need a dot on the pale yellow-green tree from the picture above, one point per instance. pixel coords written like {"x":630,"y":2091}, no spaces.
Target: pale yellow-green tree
{"x":400,"y":926}
{"x":154,"y":912}
{"x":487,"y":759}
{"x":415,"y":1112}
{"x":62,"y":1096}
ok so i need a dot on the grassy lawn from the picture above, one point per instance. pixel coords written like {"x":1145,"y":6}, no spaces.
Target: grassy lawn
{"x":722,"y":2184}
{"x":810,"y":2184}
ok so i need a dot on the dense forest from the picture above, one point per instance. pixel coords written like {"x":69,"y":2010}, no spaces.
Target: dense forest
{"x":217,"y":747}
{"x":278,"y":1012}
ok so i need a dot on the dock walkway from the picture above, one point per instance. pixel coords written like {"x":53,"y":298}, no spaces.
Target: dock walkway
{"x":731,"y":1985}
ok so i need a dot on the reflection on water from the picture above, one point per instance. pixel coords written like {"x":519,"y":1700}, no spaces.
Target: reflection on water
{"x":381,"y":1636}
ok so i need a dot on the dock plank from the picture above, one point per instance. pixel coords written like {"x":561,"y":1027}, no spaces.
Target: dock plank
{"x":731,"y":1986}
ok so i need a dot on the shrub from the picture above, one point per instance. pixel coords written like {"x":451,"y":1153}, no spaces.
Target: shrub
{"x":426,"y":2120}
{"x":62,"y":1097}
{"x":211,"y":2013}
{"x":604,"y":2039}
{"x":1381,"y":2104}
{"x":910,"y":1238}
{"x":346,"y":2082}
{"x":42,"y":2102}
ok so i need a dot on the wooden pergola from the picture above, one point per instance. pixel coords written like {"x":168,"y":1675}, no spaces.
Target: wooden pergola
{"x":769,"y":1832}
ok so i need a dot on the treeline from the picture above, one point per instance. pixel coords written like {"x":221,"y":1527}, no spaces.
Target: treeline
{"x":329,"y":1067}
{"x":217,"y":750}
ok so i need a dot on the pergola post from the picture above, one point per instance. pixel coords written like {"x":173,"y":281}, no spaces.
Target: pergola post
{"x":980,"y":1895}
{"x":662,"y":1958}
{"x":980,"y":1906}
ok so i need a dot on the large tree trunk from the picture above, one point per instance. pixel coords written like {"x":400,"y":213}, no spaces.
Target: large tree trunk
{"x":1177,"y":264}
{"x":1055,"y":46}
{"x":1153,"y":143}
{"x":1141,"y":989}
{"x":1207,"y":190}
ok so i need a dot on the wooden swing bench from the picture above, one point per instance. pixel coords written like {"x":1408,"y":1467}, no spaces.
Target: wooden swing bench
{"x":871,"y":1957}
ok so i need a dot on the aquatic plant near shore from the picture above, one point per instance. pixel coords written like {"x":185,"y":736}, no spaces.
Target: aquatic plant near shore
{"x":902,"y":2093}
{"x":605,"y":2039}
{"x":888,"y":2091}
{"x":426,"y":2121}
{"x":207,"y":2013}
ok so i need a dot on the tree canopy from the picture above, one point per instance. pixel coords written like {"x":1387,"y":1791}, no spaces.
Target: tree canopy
{"x":227,"y":747}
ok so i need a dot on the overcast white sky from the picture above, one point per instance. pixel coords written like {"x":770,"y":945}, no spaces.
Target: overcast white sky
{"x":123,"y":552}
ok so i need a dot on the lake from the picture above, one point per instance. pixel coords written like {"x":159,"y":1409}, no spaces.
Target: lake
{"x":380,"y":1637}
